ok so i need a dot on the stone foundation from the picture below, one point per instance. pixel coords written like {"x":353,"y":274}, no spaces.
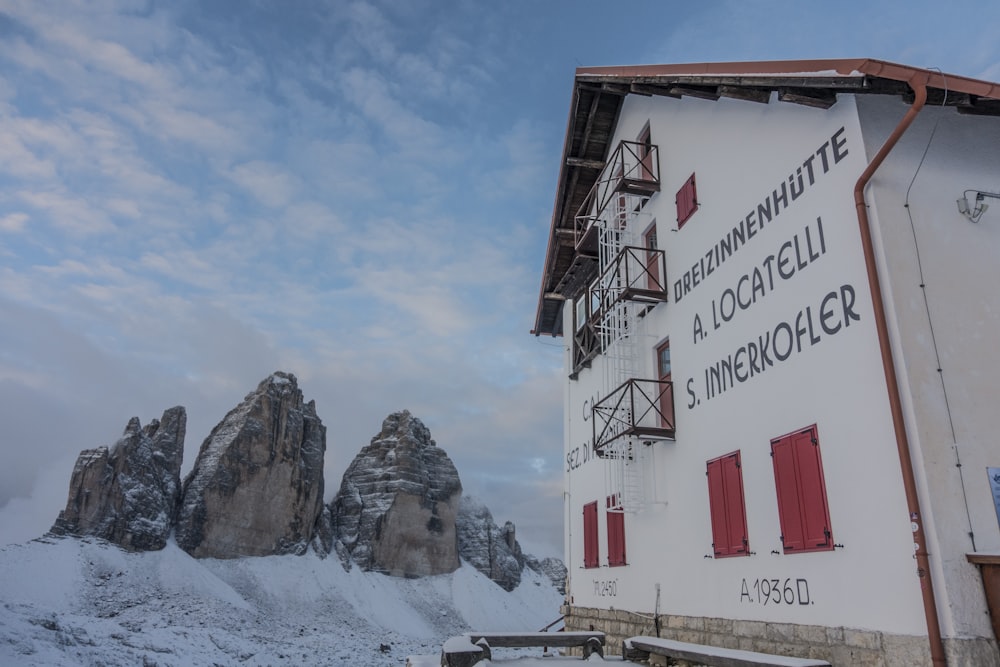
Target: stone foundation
{"x":841,"y":647}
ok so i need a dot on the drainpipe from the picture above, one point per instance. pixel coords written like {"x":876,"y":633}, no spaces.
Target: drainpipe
{"x":918,"y":82}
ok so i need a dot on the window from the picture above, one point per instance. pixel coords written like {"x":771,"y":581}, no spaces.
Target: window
{"x":595,"y":301}
{"x":622,"y":205}
{"x":725,"y":501}
{"x":590,"y":555}
{"x":652,"y":260}
{"x":666,"y":391}
{"x":616,"y":534}
{"x":580,"y":307}
{"x":802,"y":504}
{"x":645,"y":141}
{"x":687,"y":201}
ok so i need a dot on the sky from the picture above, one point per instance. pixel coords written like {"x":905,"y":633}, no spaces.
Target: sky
{"x":197,"y":193}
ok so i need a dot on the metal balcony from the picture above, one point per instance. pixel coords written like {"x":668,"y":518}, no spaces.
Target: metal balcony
{"x":636,"y":274}
{"x":639,"y":408}
{"x":632,"y":171}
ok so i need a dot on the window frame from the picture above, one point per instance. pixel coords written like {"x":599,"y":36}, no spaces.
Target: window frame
{"x":650,"y":241}
{"x":667,"y":415}
{"x":645,"y":142}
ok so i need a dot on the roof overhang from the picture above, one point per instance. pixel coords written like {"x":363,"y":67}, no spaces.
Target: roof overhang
{"x":598,"y":94}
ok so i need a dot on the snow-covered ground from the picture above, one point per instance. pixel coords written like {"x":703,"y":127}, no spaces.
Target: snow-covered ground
{"x":83,"y":602}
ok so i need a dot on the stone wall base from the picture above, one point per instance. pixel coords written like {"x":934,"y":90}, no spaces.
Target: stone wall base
{"x":841,"y":647}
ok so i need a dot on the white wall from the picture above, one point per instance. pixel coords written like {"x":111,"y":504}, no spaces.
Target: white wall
{"x":741,"y":151}
{"x":960,"y":261}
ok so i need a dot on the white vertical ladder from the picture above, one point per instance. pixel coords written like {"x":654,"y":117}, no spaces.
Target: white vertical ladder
{"x":618,"y":328}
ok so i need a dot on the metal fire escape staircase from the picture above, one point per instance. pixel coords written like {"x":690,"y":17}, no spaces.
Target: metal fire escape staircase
{"x":610,"y":219}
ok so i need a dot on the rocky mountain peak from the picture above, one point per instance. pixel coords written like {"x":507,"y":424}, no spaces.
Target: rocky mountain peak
{"x":128,"y":495}
{"x":395,"y":511}
{"x":256,"y":488}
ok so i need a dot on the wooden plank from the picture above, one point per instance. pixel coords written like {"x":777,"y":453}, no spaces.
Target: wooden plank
{"x":714,"y":656}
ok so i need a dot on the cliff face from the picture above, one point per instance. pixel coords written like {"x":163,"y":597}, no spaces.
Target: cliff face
{"x":128,"y":495}
{"x":396,"y":508}
{"x":256,"y":488}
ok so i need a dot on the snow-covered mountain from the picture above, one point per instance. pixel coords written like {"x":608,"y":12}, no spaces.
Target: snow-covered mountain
{"x":256,"y":489}
{"x":234,"y":567}
{"x":69,"y":601}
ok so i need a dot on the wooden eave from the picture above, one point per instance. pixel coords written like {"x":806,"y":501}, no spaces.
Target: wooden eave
{"x":598,"y":94}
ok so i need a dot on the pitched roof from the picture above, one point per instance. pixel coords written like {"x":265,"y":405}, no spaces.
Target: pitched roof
{"x":598,"y":93}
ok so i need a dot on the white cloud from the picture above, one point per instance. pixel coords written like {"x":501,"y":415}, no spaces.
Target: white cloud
{"x":74,"y":215}
{"x":13,"y":222}
{"x":268,"y":183}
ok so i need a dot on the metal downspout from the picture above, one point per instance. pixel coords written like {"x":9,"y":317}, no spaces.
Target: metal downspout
{"x":919,"y":85}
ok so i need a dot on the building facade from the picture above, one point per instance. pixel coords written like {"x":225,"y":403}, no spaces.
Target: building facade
{"x":776,"y":283}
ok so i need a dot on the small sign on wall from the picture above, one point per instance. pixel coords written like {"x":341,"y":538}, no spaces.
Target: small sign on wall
{"x":994,"y":474}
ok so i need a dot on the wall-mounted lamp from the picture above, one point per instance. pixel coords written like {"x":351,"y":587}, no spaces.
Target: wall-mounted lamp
{"x":978,"y":207}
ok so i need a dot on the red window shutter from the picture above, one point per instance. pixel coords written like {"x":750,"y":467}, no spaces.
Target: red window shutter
{"x":590,"y":548}
{"x":802,"y":502}
{"x":616,"y":535}
{"x":717,"y":508}
{"x":687,"y":201}
{"x":726,"y":504}
{"x":789,"y":511}
{"x":735,"y":508}
{"x":815,"y":512}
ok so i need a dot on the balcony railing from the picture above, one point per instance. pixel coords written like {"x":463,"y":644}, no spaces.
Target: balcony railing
{"x":641,"y":408}
{"x":632,"y":170}
{"x":636,"y":274}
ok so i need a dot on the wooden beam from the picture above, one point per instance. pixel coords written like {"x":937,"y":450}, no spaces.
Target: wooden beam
{"x":615,"y":88}
{"x":589,"y":127}
{"x":981,"y":107}
{"x":651,"y":89}
{"x":565,"y":237}
{"x":810,"y":97}
{"x":584,"y":162}
{"x":701,"y":92}
{"x":761,"y":95}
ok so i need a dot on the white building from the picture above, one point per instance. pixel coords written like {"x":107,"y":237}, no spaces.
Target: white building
{"x":777,"y":286}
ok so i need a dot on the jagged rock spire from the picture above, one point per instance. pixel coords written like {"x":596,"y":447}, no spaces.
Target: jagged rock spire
{"x":256,"y":488}
{"x":128,"y":495}
{"x":396,"y":508}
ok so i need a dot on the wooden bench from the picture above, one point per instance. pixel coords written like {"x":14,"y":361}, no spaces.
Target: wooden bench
{"x":640,"y":648}
{"x":468,"y":649}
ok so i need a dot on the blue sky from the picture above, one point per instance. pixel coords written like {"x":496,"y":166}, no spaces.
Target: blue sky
{"x":194,"y":194}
